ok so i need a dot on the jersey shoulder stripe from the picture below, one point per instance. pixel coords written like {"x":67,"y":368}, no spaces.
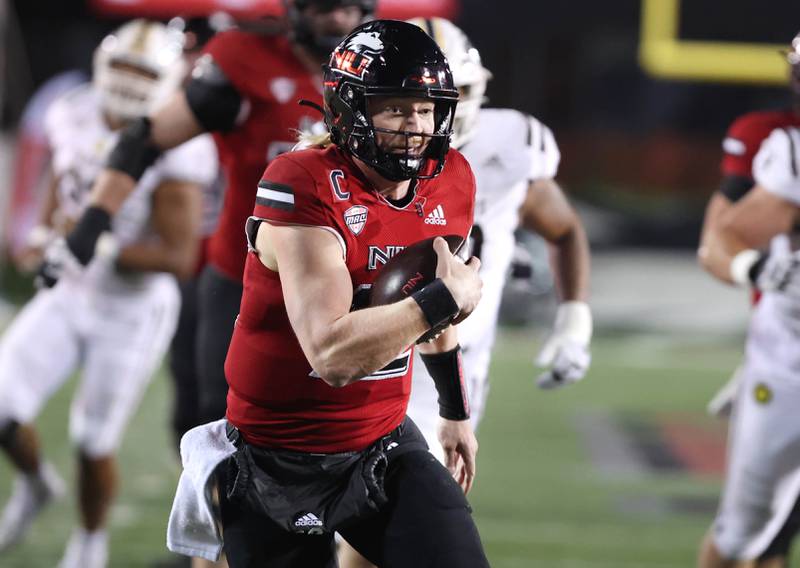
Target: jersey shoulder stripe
{"x":275,"y":195}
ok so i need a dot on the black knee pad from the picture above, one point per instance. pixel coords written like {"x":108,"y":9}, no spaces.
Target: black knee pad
{"x":8,"y":432}
{"x":435,"y":518}
{"x":782,"y":543}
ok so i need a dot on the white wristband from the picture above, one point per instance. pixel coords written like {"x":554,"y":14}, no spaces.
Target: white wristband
{"x":741,"y":264}
{"x":39,"y":237}
{"x":574,"y":320}
{"x":107,"y":247}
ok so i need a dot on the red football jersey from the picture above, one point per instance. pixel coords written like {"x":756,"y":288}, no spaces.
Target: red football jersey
{"x":271,"y":80}
{"x":745,"y":135}
{"x":275,"y":398}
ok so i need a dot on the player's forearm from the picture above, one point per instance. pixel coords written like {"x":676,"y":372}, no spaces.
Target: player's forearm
{"x":711,"y":253}
{"x":46,"y":214}
{"x":364,"y":341}
{"x":174,"y":123}
{"x":571,"y":264}
{"x":715,"y":257}
{"x":447,"y":341}
{"x":110,"y":190}
{"x":139,"y":145}
{"x":730,"y":257}
{"x":728,"y":243}
{"x":158,"y":257}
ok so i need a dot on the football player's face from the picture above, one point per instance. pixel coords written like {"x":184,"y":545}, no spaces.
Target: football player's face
{"x":402,"y":114}
{"x":335,"y":22}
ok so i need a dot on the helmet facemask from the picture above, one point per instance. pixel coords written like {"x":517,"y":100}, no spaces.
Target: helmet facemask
{"x":363,"y":139}
{"x":127,"y":89}
{"x":136,"y":68}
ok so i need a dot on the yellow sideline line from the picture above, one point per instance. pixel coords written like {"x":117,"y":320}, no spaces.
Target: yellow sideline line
{"x":664,"y":55}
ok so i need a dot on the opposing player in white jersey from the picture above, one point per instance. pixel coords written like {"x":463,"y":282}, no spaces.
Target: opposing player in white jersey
{"x":113,"y":320}
{"x":514,"y":158}
{"x":754,"y":525}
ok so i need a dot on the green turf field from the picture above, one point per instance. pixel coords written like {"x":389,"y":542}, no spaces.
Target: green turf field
{"x":540,"y":499}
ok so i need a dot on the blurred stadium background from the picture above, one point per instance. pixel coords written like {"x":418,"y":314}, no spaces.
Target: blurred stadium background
{"x":622,"y":470}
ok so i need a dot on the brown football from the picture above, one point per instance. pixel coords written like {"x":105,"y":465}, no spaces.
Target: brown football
{"x":408,"y":271}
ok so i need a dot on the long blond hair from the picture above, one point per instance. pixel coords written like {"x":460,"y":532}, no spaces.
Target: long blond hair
{"x":306,"y":139}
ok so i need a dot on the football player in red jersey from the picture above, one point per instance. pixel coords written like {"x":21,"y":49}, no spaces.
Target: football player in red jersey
{"x":318,"y":392}
{"x":244,"y":90}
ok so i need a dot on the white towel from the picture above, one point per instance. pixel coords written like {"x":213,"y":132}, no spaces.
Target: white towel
{"x":193,"y":529}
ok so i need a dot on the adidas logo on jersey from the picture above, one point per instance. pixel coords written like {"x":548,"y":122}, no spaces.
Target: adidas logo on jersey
{"x":308,"y":520}
{"x":436,"y":217}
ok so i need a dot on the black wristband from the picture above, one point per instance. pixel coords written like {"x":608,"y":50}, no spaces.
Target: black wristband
{"x":134,"y":151}
{"x":445,"y":370}
{"x":757,"y":267}
{"x":437,"y":303}
{"x":735,"y":187}
{"x":83,"y":238}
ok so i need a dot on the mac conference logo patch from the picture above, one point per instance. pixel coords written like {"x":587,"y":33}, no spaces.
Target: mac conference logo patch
{"x":356,"y":218}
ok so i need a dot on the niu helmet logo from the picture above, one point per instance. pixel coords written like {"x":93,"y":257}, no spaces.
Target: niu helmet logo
{"x":351,"y":63}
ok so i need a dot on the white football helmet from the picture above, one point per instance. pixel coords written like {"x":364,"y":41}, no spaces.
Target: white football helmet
{"x":793,"y":53}
{"x":469,"y":74}
{"x":138,"y":66}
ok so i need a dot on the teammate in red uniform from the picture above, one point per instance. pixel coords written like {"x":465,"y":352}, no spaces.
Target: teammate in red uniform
{"x":245,"y":90}
{"x":318,"y":392}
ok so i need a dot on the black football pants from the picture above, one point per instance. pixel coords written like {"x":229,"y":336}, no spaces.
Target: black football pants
{"x":427,"y":523}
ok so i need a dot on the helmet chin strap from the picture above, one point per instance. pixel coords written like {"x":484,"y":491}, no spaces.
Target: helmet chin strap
{"x":312,"y":104}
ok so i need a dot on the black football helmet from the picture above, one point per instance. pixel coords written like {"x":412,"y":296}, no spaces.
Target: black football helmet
{"x":388,"y":58}
{"x":301,"y":31}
